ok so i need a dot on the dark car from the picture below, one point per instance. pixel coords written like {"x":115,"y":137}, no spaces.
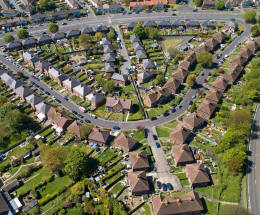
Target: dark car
{"x":153,"y":118}
{"x":66,"y":98}
{"x":57,"y":100}
{"x":190,"y":102}
{"x":87,"y":121}
{"x":80,"y":116}
{"x":157,"y":145}
{"x":46,"y":92}
{"x":74,"y":112}
{"x":166,"y":114}
{"x":173,"y":110}
{"x":164,"y":187}
{"x":159,"y":185}
{"x":36,"y":85}
{"x":169,"y":186}
{"x":41,"y":89}
{"x":32,"y":82}
{"x":116,"y":127}
{"x":155,"y":137}
{"x":174,"y":14}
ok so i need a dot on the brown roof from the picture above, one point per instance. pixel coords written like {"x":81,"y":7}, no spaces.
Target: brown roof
{"x":193,"y":120}
{"x":220,"y":83}
{"x":197,"y":173}
{"x":207,"y":107}
{"x":209,"y":2}
{"x":258,"y":39}
{"x":173,"y":83}
{"x":138,"y":181}
{"x":155,"y":96}
{"x":252,"y":45}
{"x":10,"y":185}
{"x":211,"y":43}
{"x":182,"y":153}
{"x":246,"y":53}
{"x":180,"y":133}
{"x":233,"y":72}
{"x":125,"y":141}
{"x":75,"y":128}
{"x":182,"y":204}
{"x":180,"y":73}
{"x":220,"y":35}
{"x":185,"y":63}
{"x":238,"y":59}
{"x":203,"y":48}
{"x":189,"y":59}
{"x":59,"y":117}
{"x":214,"y":95}
{"x":124,"y":103}
{"x":139,"y":159}
{"x":99,"y":135}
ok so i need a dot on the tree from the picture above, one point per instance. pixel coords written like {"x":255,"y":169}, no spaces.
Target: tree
{"x":205,"y":59}
{"x":22,"y":34}
{"x":50,"y":19}
{"x":144,"y":7}
{"x":198,"y":3}
{"x":8,"y":38}
{"x":32,"y":141}
{"x":30,"y":147}
{"x":34,"y":210}
{"x":34,"y":193}
{"x":84,"y":38}
{"x":234,"y":152}
{"x":160,"y":79}
{"x":233,"y":210}
{"x":192,"y":108}
{"x":20,"y":74}
{"x":45,"y":78}
{"x":254,"y":27}
{"x":13,"y":119}
{"x":53,"y":28}
{"x":249,"y":16}
{"x":2,"y":101}
{"x":110,"y":85}
{"x":75,"y":163}
{"x":154,"y":7}
{"x":127,"y":2}
{"x":258,"y":18}
{"x":256,"y":32}
{"x":220,"y":5}
{"x":139,"y":31}
{"x":153,"y":33}
{"x":67,"y":204}
{"x":239,"y":118}
{"x":89,"y":207}
{"x":4,"y":109}
{"x":66,"y":16}
{"x":78,"y":189}
{"x":85,"y":130}
{"x":220,"y":70}
{"x":111,"y":34}
{"x":191,"y":80}
{"x":98,"y":35}
{"x":121,"y":58}
{"x":236,"y":164}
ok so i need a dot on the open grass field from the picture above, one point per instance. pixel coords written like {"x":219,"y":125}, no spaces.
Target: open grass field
{"x":171,"y":43}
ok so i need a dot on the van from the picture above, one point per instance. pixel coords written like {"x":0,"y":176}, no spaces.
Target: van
{"x":118,"y":39}
{"x":83,"y":109}
{"x":93,"y":116}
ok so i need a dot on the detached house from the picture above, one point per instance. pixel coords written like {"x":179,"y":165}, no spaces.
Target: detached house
{"x":125,"y":142}
{"x":230,"y":26}
{"x":139,"y":161}
{"x":28,"y":43}
{"x":34,"y":99}
{"x":148,"y":64}
{"x":193,"y":122}
{"x":99,"y":136}
{"x":72,"y":33}
{"x":180,"y":74}
{"x":56,"y":75}
{"x":214,"y":96}
{"x":220,"y":84}
{"x":58,"y":36}
{"x":82,"y":90}
{"x":206,"y":109}
{"x":121,"y":80}
{"x":130,"y":26}
{"x":138,"y":183}
{"x":145,"y":76}
{"x":179,"y":134}
{"x":173,"y":85}
{"x":220,"y":36}
{"x":188,"y":61}
{"x":70,"y":83}
{"x":164,"y":25}
{"x":12,"y":46}
{"x":118,"y":105}
{"x":197,"y":175}
{"x":192,"y":25}
{"x":23,"y":91}
{"x":182,"y":155}
{"x":109,"y":68}
{"x":45,"y":39}
{"x":156,"y":97}
{"x":75,"y":128}
{"x":96,"y":99}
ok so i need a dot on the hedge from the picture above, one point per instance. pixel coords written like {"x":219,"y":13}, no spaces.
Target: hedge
{"x":111,"y":174}
{"x":52,"y":196}
{"x":147,"y":149}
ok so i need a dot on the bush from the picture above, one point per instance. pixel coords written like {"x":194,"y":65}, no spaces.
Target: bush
{"x":34,"y":194}
{"x":52,"y":196}
{"x":49,"y":179}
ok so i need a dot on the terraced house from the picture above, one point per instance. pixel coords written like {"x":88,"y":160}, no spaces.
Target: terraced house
{"x":214,"y":96}
{"x":233,"y":72}
{"x":28,"y":43}
{"x":45,"y":39}
{"x":173,"y":85}
{"x":117,"y":105}
{"x":188,"y":61}
{"x":12,"y":46}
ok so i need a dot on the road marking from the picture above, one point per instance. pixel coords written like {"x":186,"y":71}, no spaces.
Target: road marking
{"x":255,"y":154}
{"x":255,"y":181}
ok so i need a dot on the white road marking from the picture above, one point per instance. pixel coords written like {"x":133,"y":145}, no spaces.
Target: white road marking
{"x":255,"y":166}
{"x":255,"y":154}
{"x":255,"y":181}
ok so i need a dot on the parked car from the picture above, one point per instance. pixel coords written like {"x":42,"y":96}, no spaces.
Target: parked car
{"x":83,"y":109}
{"x":36,"y":85}
{"x":37,"y":79}
{"x":179,"y":106}
{"x":173,"y":110}
{"x":205,"y":80}
{"x":158,"y":185}
{"x":169,"y":186}
{"x":202,"y":73}
{"x":157,"y":145}
{"x":80,"y":116}
{"x":153,"y":118}
{"x":195,"y":10}
{"x":46,"y":92}
{"x":205,"y":88}
{"x":194,"y":96}
{"x":129,"y":13}
{"x":137,"y":12}
{"x":57,"y":100}
{"x":164,"y":187}
{"x":116,"y":128}
{"x":180,"y":119}
{"x":124,"y":13}
{"x":33,"y":76}
{"x":87,"y":121}
{"x":41,"y":89}
{"x":74,"y":112}
{"x":32,"y":82}
{"x":66,"y":98}
{"x":155,"y":137}
{"x":166,"y":114}
{"x":232,"y":19}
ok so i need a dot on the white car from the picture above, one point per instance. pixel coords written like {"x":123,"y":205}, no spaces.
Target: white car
{"x":226,"y":56}
{"x":53,"y":97}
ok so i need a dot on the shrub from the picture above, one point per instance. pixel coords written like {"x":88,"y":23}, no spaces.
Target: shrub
{"x":52,"y":196}
{"x":34,"y":194}
{"x":49,"y":179}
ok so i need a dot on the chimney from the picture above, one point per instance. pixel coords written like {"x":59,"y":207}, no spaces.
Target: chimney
{"x":58,"y":73}
{"x":199,"y":167}
{"x":167,"y":202}
{"x":182,"y":148}
{"x":139,"y":176}
{"x":178,"y":201}
{"x":191,"y":199}
{"x":56,"y":111}
{"x":69,"y":79}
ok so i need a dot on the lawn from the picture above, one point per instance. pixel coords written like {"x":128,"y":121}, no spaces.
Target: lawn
{"x":171,"y":43}
{"x":76,"y":99}
{"x":86,"y":150}
{"x":184,"y":182}
{"x":200,"y":145}
{"x":147,"y":210}
{"x":137,"y":112}
{"x":75,"y":212}
{"x":163,"y":132}
{"x":127,"y":88}
{"x":172,"y":124}
{"x":209,"y":207}
{"x":152,"y":113}
{"x":116,"y":188}
{"x":46,"y":132}
{"x":138,"y":136}
{"x":18,"y":151}
{"x":100,"y":111}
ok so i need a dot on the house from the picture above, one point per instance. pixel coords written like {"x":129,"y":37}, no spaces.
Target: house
{"x":148,"y":64}
{"x":141,"y":55}
{"x":108,"y":49}
{"x":23,"y":91}
{"x":151,"y":24}
{"x":106,"y":41}
{"x":189,"y":203}
{"x":4,"y":4}
{"x":10,"y":186}
{"x":180,"y":74}
{"x":29,"y":57}
{"x":96,"y":99}
{"x":258,"y":40}
{"x":12,"y":46}
{"x":44,"y":39}
{"x":173,"y":85}
{"x":156,"y":97}
{"x":188,"y":61}
{"x":164,"y":25}
{"x":138,"y":46}
{"x":110,"y":58}
{"x":179,"y":134}
{"x":220,"y":84}
{"x":58,"y":36}
{"x":139,"y":161}
{"x":206,"y":109}
{"x":59,"y":118}
{"x":177,"y":23}
{"x":109,"y":68}
{"x":220,"y":36}
{"x":193,"y":122}
{"x":118,"y":105}
{"x":73,"y":4}
{"x":56,"y":75}
{"x":145,"y":76}
{"x":11,"y":81}
{"x":252,"y":46}
{"x":29,"y":10}
{"x":230,"y":26}
{"x":197,"y":175}
{"x":125,"y":142}
{"x":239,"y":60}
{"x":212,"y":43}
{"x":43,"y":107}
{"x":160,"y":4}
{"x":88,"y":30}
{"x":101,"y":29}
{"x":192,"y":24}
{"x":109,"y":8}
{"x":41,"y":65}
{"x":17,"y":21}
{"x":72,"y":33}
{"x":8,"y":13}
{"x":75,"y":128}
{"x":208,"y":4}
{"x":233,"y":72}
{"x":70,"y":83}
{"x":4,"y":207}
{"x":247,"y":3}
{"x":182,"y":155}
{"x":82,"y":90}
{"x":29,"y":43}
{"x":138,"y":183}
{"x":202,"y":48}
{"x":99,"y":136}
{"x":34,"y":99}
{"x":246,"y":53}
{"x":214,"y":96}
{"x":130,"y":26}
{"x":121,"y":80}
{"x":207,"y":25}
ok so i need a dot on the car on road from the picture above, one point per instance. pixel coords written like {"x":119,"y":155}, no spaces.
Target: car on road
{"x":83,"y":109}
{"x":93,"y":116}
{"x":66,"y":98}
{"x":194,"y":96}
{"x":157,"y":145}
{"x":33,"y":76}
{"x":53,"y":97}
{"x":254,"y":7}
{"x":238,"y":44}
{"x":221,"y":61}
{"x":44,"y":32}
{"x":116,"y":128}
{"x":205,"y":80}
{"x":51,"y":88}
{"x":80,"y":116}
{"x":87,"y":121}
{"x":153,"y":118}
{"x":205,"y":88}
{"x":46,"y":92}
{"x":232,"y":19}
{"x":74,"y":112}
{"x":195,"y":10}
{"x":174,"y":14}
{"x":202,"y":73}
{"x":155,"y":137}
{"x":129,"y":13}
{"x":158,"y":185}
{"x":41,"y":89}
{"x":64,"y":23}
{"x":137,"y":12}
{"x":32,"y":82}
{"x":190,"y":102}
{"x":164,"y":187}
{"x":77,"y":18}
{"x":57,"y":100}
{"x":166,"y":114}
{"x":179,"y":106}
{"x":37,"y":79}
{"x":40,"y":24}
{"x":36,"y":85}
{"x":225,"y":10}
{"x":180,"y":119}
{"x":169,"y":186}
{"x":173,"y":110}
{"x":124,"y":13}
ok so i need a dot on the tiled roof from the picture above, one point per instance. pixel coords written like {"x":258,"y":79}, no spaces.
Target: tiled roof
{"x":119,"y":77}
{"x":99,"y":135}
{"x":211,"y":43}
{"x":197,"y":173}
{"x":72,"y":33}
{"x":28,"y":41}
{"x":124,"y":103}
{"x":182,"y":153}
{"x":44,"y":107}
{"x":173,"y":83}
{"x":75,"y":128}
{"x":60,"y":117}
{"x":108,"y":49}
{"x":109,"y":67}
{"x":138,"y":181}
{"x":87,"y":30}
{"x":34,"y":99}
{"x":220,"y":35}
{"x":145,"y":74}
{"x":101,"y":28}
{"x":139,"y":159}
{"x":11,"y":45}
{"x":207,"y":23}
{"x":82,"y":89}
{"x":138,"y":46}
{"x":110,"y":57}
{"x":106,"y":41}
{"x":149,"y":23}
{"x":155,"y":96}
{"x":220,"y":83}
{"x":148,"y":64}
{"x":193,"y":120}
{"x":180,"y":133}
{"x":178,"y":23}
{"x":42,"y":64}
{"x":44,"y":38}
{"x":214,"y":95}
{"x":56,"y":73}
{"x":131,"y":24}
{"x":71,"y":82}
{"x":125,"y":141}
{"x":59,"y":35}
{"x":141,"y":54}
{"x":231,"y":24}
{"x":181,"y":73}
{"x":24,"y":91}
{"x":207,"y":107}
{"x":95,"y":97}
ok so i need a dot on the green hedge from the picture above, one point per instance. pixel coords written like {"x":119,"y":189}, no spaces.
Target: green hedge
{"x":52,"y":196}
{"x":112,"y":174}
{"x":147,"y":149}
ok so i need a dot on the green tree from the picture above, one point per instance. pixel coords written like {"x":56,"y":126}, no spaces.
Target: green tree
{"x":8,"y":38}
{"x":254,"y":27}
{"x":13,"y":119}
{"x":50,"y":19}
{"x":192,"y":107}
{"x":236,"y":164}
{"x":191,"y":80}
{"x":66,"y":16}
{"x":34,"y":193}
{"x":139,"y":31}
{"x":43,"y":3}
{"x":198,"y":3}
{"x":127,"y":2}
{"x":75,"y":163}
{"x":154,"y":8}
{"x":258,"y":18}
{"x":256,"y":32}
{"x":30,"y":147}
{"x":121,"y":58}
{"x":144,"y":7}
{"x":2,"y":101}
{"x":84,"y":38}
{"x":111,"y":34}
{"x":78,"y":189}
{"x":110,"y":85}
{"x":4,"y":109}
{"x":85,"y":130}
{"x":160,"y":79}
{"x":234,"y":152}
{"x":22,"y":34}
{"x":220,"y":5}
{"x":53,"y":28}
{"x":249,"y":16}
{"x":34,"y":210}
{"x":153,"y":33}
{"x":89,"y":207}
{"x":233,"y":210}
{"x":98,"y":35}
{"x":45,"y":78}
{"x":205,"y":59}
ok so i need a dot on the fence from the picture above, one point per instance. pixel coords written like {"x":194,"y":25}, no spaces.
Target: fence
{"x":136,"y":208}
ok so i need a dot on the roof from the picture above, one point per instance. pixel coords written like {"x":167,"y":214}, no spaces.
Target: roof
{"x":2,"y":71}
{"x":71,"y":82}
{"x":163,"y":23}
{"x":7,"y":78}
{"x":33,"y":203}
{"x":87,"y":30}
{"x":75,"y":128}
{"x":72,"y":33}
{"x":56,"y":73}
{"x":60,"y":117}
{"x":106,"y":41}
{"x":131,"y":25}
{"x":149,"y":3}
{"x":178,"y":23}
{"x":24,"y":91}
{"x":188,"y":60}
{"x":155,"y":96}
{"x":139,"y":159}
{"x":207,"y":107}
{"x":110,"y":57}
{"x":28,"y":41}
{"x":99,"y":135}
{"x":138,"y":181}
{"x":82,"y":89}
{"x":209,"y":2}
{"x":183,"y":204}
{"x":13,"y":45}
{"x":141,"y":54}
{"x":148,"y":64}
{"x":238,"y":59}
{"x":197,"y":173}
{"x":101,"y":28}
{"x":207,"y":23}
{"x":59,"y":35}
{"x":211,"y":42}
{"x":107,"y":6}
{"x":95,"y":97}
{"x":4,"y":208}
{"x":14,"y":12}
{"x":182,"y":153}
{"x":203,"y":48}
{"x":36,"y":150}
{"x":214,"y":95}
{"x":193,"y":120}
{"x":108,"y":49}
{"x":138,"y":46}
{"x":220,"y":83}
{"x":10,"y":185}
{"x":220,"y":35}
{"x":29,"y":9}
{"x":252,"y":45}
{"x":180,"y":133}
{"x":180,"y":73}
{"x":16,"y":83}
{"x":246,"y":53}
{"x":10,"y":21}
{"x":119,"y":77}
{"x":125,"y":141}
{"x":149,"y":24}
{"x":173,"y":83}
{"x":124,"y":103}
{"x":44,"y":38}
{"x":56,"y":13}
{"x":109,"y":67}
{"x":145,"y":74}
{"x":34,"y":99}
{"x":44,"y":107}
{"x":192,"y":23}
{"x":42,"y":64}
{"x":231,"y":24}
{"x":29,"y":56}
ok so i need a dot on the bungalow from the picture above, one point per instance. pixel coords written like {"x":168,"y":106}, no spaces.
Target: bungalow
{"x":118,"y":105}
{"x":130,"y":26}
{"x":12,"y":46}
{"x":233,"y":72}
{"x":17,"y":21}
{"x":177,"y":23}
{"x":106,"y":41}
{"x":202,"y":48}
{"x":252,"y":46}
{"x":148,"y":64}
{"x":230,"y":26}
{"x":188,"y":61}
{"x":109,"y":8}
{"x":42,"y":65}
{"x":206,"y":109}
{"x":56,"y":75}
{"x":72,"y":33}
{"x":214,"y":96}
{"x":44,"y":39}
{"x":220,"y":84}
{"x":110,"y":58}
{"x":156,"y":97}
{"x":179,"y":134}
{"x":34,"y":99}
{"x":7,"y":13}
{"x":182,"y":155}
{"x":180,"y":74}
{"x":212,"y":43}
{"x":220,"y":36}
{"x":58,"y":36}
{"x":82,"y":90}
{"x":145,"y":76}
{"x":121,"y":80}
{"x":173,"y":85}
{"x":151,"y":24}
{"x":108,"y":49}
{"x":101,"y":29}
{"x":88,"y":30}
{"x":139,"y":161}
{"x":70,"y":83}
{"x":197,"y":175}
{"x":75,"y":128}
{"x":109,"y":68}
{"x":99,"y":136}
{"x":138,"y":183}
{"x":23,"y":91}
{"x":134,"y":39}
{"x":125,"y":142}
{"x":164,"y":25}
{"x":29,"y":57}
{"x":208,"y":4}
{"x":28,"y":43}
{"x":207,"y":25}
{"x":43,"y":107}
{"x":192,"y":25}
{"x":141,"y":55}
{"x":192,"y":122}
{"x":96,"y":99}
{"x":137,"y":46}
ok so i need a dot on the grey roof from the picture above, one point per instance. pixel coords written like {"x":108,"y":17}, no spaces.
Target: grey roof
{"x":82,"y":89}
{"x":44,"y":38}
{"x":34,"y":99}
{"x":134,"y":38}
{"x":33,"y":203}
{"x":138,"y":46}
{"x":13,"y":45}
{"x":207,"y":23}
{"x":95,"y":97}
{"x":72,"y":33}
{"x":56,"y":73}
{"x":119,"y":77}
{"x":87,"y":30}
{"x":44,"y":107}
{"x":110,"y":6}
{"x":163,"y":23}
{"x":141,"y":54}
{"x":52,"y":14}
{"x":110,"y":57}
{"x":178,"y":23}
{"x":59,"y":35}
{"x":29,"y":56}
{"x":29,"y":9}
{"x":231,"y":24}
{"x":108,"y":49}
{"x":109,"y":67}
{"x":10,"y":12}
{"x":101,"y":28}
{"x":24,"y":91}
{"x":13,"y":204}
{"x":106,"y":41}
{"x":148,"y":63}
{"x":36,"y":151}
{"x":16,"y":83}
{"x":7,"y":78}
{"x":149,"y":23}
{"x":2,"y":71}
{"x":145,"y":74}
{"x":192,"y":23}
{"x":71,"y":82}
{"x":42,"y":64}
{"x":28,"y":41}
{"x":3,"y":205}
{"x":131,"y":24}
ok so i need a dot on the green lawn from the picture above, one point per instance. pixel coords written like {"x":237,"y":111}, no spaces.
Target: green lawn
{"x":147,"y":210}
{"x":98,"y":76}
{"x":209,"y":207}
{"x":184,"y":182}
{"x":163,"y":132}
{"x":75,"y":212}
{"x":171,"y":43}
{"x":116,"y":188}
{"x":137,"y":112}
{"x":138,"y":136}
{"x":172,"y":124}
{"x":18,"y":151}
{"x":100,"y":111}
{"x":76,"y":99}
{"x":200,"y":145}
{"x":127,"y":88}
{"x":152,"y":113}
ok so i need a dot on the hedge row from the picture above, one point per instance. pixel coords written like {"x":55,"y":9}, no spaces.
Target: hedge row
{"x":52,"y":196}
{"x":111,"y":174}
{"x":147,"y":149}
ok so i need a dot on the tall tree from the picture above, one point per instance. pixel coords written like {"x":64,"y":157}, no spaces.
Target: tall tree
{"x":205,"y":59}
{"x":198,"y":3}
{"x":220,"y":5}
{"x":85,"y":130}
{"x":234,"y":152}
{"x":110,"y":85}
{"x":53,"y":28}
{"x":160,"y":79}
{"x":153,"y":33}
{"x":233,"y":210}
{"x":191,"y":80}
{"x":22,"y":34}
{"x":84,"y":38}
{"x":144,"y":7}
{"x":78,"y":189}
{"x":111,"y":34}
{"x":249,"y":16}
{"x":2,"y":101}
{"x":139,"y":30}
{"x":8,"y":38}
{"x":236,"y":164}
{"x":98,"y":35}
{"x":4,"y":109}
{"x":14,"y":119}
